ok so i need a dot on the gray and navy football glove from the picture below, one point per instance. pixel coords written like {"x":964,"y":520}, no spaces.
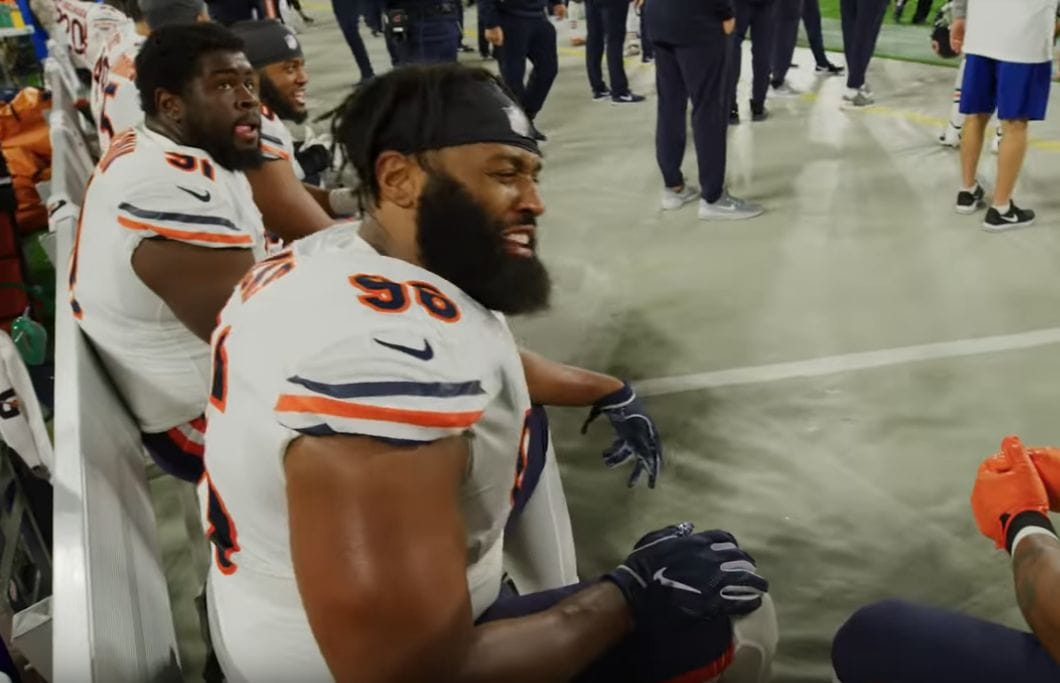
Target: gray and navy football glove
{"x":636,"y":434}
{"x":674,"y":573}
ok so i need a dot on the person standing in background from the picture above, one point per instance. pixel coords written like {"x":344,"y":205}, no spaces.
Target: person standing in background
{"x":862,"y":20}
{"x":758,"y":16}
{"x":923,"y":9}
{"x":789,"y":14}
{"x":422,"y":31}
{"x":1008,"y":68}
{"x":605,"y":22}
{"x":347,"y":13}
{"x":692,"y":48}
{"x":811,"y":19}
{"x":522,"y":31}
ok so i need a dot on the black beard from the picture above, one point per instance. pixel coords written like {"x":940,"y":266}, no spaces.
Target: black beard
{"x":460,"y":242}
{"x":219,"y":145}
{"x":271,"y":98}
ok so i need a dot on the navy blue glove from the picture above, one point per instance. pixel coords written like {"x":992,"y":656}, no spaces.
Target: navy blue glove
{"x":636,"y":434}
{"x":676,"y":574}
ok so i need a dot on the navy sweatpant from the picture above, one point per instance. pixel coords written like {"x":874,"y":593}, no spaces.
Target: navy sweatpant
{"x":761,"y":19}
{"x":811,"y":19}
{"x":789,"y":15}
{"x":533,"y":39}
{"x":605,"y":23}
{"x":862,"y":20}
{"x":690,"y":651}
{"x":695,"y":72}
{"x":897,"y":642}
{"x":347,"y":12}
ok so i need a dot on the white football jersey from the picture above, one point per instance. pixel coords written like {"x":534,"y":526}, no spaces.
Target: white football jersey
{"x":85,"y":26}
{"x":277,"y":142}
{"x":330,"y":337}
{"x":148,"y":186}
{"x":114,"y":97}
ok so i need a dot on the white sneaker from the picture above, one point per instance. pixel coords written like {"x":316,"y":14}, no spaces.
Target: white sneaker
{"x":728,"y":208}
{"x":849,"y":94}
{"x":951,"y":137}
{"x":784,"y":90}
{"x":995,"y":144}
{"x":673,"y":200}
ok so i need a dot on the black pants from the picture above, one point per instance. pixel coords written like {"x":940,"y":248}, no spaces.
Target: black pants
{"x":811,"y":19}
{"x":605,"y":23}
{"x":533,"y":39}
{"x":646,"y":51}
{"x":761,"y":20}
{"x":695,"y":72}
{"x":861,"y":20}
{"x":923,"y":9}
{"x":347,"y":12}
{"x":789,"y":14}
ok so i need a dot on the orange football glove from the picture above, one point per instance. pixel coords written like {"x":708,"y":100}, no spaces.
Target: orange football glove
{"x":1047,"y":462}
{"x":1007,"y":485}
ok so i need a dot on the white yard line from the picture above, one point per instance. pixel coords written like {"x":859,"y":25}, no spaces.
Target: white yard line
{"x":830,"y":365}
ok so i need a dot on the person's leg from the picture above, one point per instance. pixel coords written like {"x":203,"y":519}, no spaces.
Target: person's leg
{"x":703,"y":71}
{"x":898,"y":641}
{"x":541,"y":51}
{"x":671,"y":121}
{"x":848,"y":15}
{"x":811,"y":19}
{"x":434,"y":40}
{"x":594,"y":45}
{"x":978,"y":102}
{"x":647,"y":50}
{"x":789,"y":14}
{"x":512,"y":56}
{"x":952,"y":135}
{"x":346,"y":14}
{"x":869,"y":23}
{"x":923,"y":9}
{"x":763,"y":35}
{"x":743,"y":25}
{"x":615,"y":16}
{"x":1023,"y":95}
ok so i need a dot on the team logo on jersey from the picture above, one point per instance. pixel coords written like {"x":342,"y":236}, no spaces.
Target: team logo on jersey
{"x":518,"y":120}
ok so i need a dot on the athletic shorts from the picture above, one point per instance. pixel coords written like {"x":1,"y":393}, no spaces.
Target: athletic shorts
{"x":691,"y":651}
{"x":898,"y":641}
{"x":1014,"y":91}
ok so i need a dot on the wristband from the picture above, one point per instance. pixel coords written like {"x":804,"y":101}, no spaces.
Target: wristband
{"x":343,"y":202}
{"x":1026,"y":522}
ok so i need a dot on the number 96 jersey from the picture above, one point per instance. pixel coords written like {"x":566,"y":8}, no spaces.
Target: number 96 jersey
{"x":329,"y":337}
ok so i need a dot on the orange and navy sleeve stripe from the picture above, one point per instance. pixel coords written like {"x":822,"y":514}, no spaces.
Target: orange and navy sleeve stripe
{"x":404,"y":411}
{"x":273,"y":148}
{"x":198,"y":229}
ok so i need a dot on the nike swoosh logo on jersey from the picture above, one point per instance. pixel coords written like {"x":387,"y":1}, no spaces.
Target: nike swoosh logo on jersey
{"x":426,"y":353}
{"x":670,"y":583}
{"x":201,"y":196}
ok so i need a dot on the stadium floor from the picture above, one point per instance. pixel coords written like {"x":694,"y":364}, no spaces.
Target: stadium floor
{"x":847,"y":475}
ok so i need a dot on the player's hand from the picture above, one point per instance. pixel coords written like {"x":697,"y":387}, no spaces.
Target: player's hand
{"x":1047,"y":462}
{"x":638,"y":5}
{"x":559,"y":11}
{"x":957,"y":35}
{"x":1007,"y":485}
{"x":729,"y":25}
{"x":636,"y":434}
{"x":674,"y":573}
{"x":494,"y":36}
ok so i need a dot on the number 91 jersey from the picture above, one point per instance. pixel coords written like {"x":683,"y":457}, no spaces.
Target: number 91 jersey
{"x":329,"y":337}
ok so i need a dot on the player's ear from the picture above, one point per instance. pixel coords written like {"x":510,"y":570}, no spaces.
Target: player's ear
{"x":170,"y":106}
{"x":400,"y":179}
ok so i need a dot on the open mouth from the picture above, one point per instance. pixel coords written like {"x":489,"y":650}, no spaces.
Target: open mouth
{"x":247,"y":131}
{"x":299,"y":97}
{"x":520,"y":240}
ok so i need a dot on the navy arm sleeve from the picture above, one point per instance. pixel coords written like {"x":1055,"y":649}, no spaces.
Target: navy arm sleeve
{"x":487,"y":14}
{"x":723,"y":10}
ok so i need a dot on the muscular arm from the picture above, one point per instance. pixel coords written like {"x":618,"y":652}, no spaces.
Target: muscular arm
{"x":379,"y":550}
{"x":555,"y":384}
{"x":289,"y":210}
{"x":1036,"y":565}
{"x":195,"y":282}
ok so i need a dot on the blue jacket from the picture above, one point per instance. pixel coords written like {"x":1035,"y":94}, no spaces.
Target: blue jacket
{"x":490,"y":11}
{"x":683,"y":22}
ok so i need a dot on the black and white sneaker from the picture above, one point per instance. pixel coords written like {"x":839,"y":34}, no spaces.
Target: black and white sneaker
{"x":970,"y":202}
{"x":601,"y":95}
{"x":628,"y":98}
{"x":1015,"y":217}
